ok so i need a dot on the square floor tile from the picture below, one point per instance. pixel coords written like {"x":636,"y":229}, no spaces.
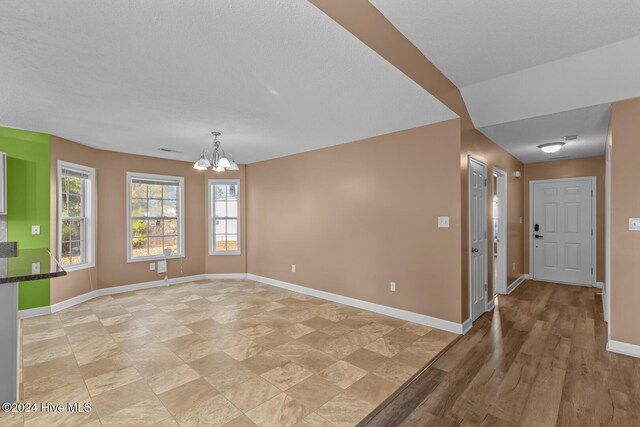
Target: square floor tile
{"x":286,"y":376}
{"x":280,"y":411}
{"x":214,"y":411}
{"x":345,"y":410}
{"x":385,"y":347}
{"x":250,"y":394}
{"x":372,"y":388}
{"x":342,"y":374}
{"x":314,"y":392}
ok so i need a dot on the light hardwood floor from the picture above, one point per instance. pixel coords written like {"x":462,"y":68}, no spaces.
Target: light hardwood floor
{"x":538,"y":359}
{"x":218,"y":353}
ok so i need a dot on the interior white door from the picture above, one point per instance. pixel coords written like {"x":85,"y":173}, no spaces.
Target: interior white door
{"x":562,"y":231}
{"x":477,"y":237}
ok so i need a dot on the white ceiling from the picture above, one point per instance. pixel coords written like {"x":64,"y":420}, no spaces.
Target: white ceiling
{"x":531,"y":71}
{"x":275,"y":77}
{"x":473,"y":41}
{"x":521,"y":138}
{"x":603,"y":75}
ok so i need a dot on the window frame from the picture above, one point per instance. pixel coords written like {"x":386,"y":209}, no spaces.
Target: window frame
{"x":212,"y":212}
{"x":180,"y":215}
{"x":89,"y":208}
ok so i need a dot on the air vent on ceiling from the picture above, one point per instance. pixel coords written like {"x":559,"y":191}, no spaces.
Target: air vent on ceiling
{"x":169,"y":150}
{"x":559,"y":158}
{"x":570,"y":137}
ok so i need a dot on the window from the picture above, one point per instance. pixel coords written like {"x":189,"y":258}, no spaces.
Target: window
{"x":224,"y":213}
{"x":76,"y":211}
{"x":155,"y":210}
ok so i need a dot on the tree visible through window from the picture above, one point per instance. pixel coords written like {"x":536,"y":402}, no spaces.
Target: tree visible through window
{"x":155,"y":217}
{"x":225,"y":221}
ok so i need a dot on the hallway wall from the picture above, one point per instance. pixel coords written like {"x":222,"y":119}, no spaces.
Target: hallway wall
{"x":593,"y":166}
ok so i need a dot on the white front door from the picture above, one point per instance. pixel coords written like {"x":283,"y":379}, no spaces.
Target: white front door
{"x":562,"y":230}
{"x":477,"y":237}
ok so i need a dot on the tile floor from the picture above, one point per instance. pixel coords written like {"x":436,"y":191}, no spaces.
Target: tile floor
{"x":222,"y":352}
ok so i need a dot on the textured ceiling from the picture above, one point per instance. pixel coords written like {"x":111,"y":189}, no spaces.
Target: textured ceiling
{"x":473,"y":41}
{"x":521,"y":138}
{"x":531,"y":71}
{"x":275,"y":77}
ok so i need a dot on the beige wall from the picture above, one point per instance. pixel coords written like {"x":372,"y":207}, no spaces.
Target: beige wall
{"x":363,"y":20}
{"x":112,"y":202}
{"x":112,"y":268}
{"x":625,"y":204}
{"x":355,"y":217}
{"x":366,"y":22}
{"x":594,"y":166}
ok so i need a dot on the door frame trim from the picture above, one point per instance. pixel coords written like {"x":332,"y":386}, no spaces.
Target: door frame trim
{"x":594,"y":223}
{"x":470,"y":159}
{"x":504,"y":223}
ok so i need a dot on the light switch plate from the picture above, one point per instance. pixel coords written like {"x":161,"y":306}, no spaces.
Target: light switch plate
{"x":443,"y":222}
{"x":35,"y":268}
{"x":392,"y":287}
{"x":35,"y":229}
{"x":293,"y":268}
{"x":634,"y":224}
{"x":152,"y":266}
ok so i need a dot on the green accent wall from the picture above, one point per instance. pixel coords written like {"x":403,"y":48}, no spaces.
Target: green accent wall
{"x":28,"y":201}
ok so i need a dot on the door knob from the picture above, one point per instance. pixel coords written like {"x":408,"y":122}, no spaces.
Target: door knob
{"x":538,"y":236}
{"x":474,"y":250}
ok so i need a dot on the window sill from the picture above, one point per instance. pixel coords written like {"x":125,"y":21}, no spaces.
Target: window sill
{"x":225,"y":253}
{"x":72,"y":268}
{"x":153,"y":258}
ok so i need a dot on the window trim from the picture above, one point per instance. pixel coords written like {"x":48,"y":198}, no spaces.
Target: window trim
{"x":90,"y":216}
{"x":211,"y":217}
{"x":181,"y":239}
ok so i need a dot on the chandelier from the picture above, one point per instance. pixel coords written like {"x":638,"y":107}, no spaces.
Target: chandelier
{"x":216,"y":159}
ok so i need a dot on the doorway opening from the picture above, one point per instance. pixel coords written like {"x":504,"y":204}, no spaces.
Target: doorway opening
{"x":499,"y":231}
{"x":562,"y":238}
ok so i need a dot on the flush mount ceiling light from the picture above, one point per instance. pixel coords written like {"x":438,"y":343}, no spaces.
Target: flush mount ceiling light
{"x":216,"y":159}
{"x":552,"y":147}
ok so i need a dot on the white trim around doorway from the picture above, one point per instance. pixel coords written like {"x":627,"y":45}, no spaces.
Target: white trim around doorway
{"x":502,"y":187}
{"x":594,"y":224}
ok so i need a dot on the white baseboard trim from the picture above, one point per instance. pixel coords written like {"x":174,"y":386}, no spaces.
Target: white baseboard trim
{"x":512,"y":287}
{"x":625,"y":348}
{"x":226,"y":276}
{"x":422,"y":319}
{"x":54,"y":308}
{"x":490,"y":305}
{"x":33,"y":312}
{"x":466,"y":326}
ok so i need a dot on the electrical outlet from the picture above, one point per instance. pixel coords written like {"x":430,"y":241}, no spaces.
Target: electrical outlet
{"x":393,"y":287}
{"x":293,"y":268}
{"x":35,"y":229}
{"x":152,"y":266}
{"x":35,"y":268}
{"x":443,"y":222}
{"x":521,"y":220}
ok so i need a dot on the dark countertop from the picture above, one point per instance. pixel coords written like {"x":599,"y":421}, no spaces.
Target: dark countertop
{"x":19,"y":268}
